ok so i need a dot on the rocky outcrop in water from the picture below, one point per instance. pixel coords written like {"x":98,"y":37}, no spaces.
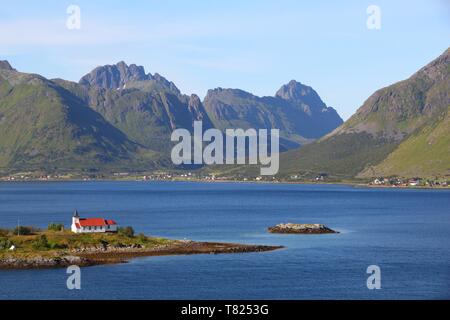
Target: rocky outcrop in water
{"x":301,"y":228}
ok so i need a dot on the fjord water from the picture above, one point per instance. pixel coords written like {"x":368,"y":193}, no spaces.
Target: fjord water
{"x":405,"y":232}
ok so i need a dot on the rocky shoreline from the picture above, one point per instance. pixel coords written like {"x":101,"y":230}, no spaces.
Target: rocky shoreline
{"x":110,"y":255}
{"x":295,"y":228}
{"x":41,"y":262}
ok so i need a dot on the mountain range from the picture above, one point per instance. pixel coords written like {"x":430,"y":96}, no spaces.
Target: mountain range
{"x":117,"y":117}
{"x":296,"y":110}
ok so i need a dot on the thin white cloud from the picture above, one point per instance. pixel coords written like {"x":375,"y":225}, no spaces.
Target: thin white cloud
{"x":55,"y":33}
{"x":47,"y":32}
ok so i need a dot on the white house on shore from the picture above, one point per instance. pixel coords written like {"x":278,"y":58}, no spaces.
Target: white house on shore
{"x":92,"y":225}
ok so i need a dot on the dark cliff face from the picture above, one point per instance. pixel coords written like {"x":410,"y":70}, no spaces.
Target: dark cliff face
{"x":198,"y":112}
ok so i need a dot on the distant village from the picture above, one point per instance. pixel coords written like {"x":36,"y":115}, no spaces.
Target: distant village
{"x":209,"y":177}
{"x":155,"y":176}
{"x":412,"y":182}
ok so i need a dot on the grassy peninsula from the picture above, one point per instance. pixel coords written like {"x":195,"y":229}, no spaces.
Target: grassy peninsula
{"x":34,"y":248}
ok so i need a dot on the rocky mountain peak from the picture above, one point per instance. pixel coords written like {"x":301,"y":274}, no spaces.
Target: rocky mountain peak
{"x":214,"y":91}
{"x":297,"y":92}
{"x":165,"y":83}
{"x":4,"y":64}
{"x":114,"y":76}
{"x":437,"y":70}
{"x":220,"y":93}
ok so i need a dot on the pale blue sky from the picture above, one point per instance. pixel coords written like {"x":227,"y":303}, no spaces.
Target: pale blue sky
{"x":254,"y":45}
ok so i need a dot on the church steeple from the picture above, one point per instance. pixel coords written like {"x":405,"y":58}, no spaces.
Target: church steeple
{"x":75,"y":221}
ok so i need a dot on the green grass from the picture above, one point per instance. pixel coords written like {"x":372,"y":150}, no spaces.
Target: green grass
{"x":62,"y":242}
{"x":341,"y":156}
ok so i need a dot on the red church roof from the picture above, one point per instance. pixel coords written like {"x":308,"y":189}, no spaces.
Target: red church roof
{"x":95,"y":222}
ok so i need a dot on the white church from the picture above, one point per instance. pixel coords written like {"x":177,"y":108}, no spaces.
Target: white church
{"x":92,"y":225}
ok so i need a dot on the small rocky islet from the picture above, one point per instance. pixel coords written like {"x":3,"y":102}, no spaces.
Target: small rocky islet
{"x":304,"y":228}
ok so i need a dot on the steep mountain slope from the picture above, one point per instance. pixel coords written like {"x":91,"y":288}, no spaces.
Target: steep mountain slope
{"x":147,"y":108}
{"x":296,"y":110}
{"x":42,"y":125}
{"x":424,"y":154}
{"x":401,"y":112}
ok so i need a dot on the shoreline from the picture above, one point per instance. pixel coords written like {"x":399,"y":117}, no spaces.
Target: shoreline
{"x":351,"y":184}
{"x":99,"y":256}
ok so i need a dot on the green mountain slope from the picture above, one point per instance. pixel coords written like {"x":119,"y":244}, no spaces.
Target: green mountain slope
{"x":424,"y":154}
{"x":340,"y":156}
{"x":44,"y":126}
{"x":394,"y":118}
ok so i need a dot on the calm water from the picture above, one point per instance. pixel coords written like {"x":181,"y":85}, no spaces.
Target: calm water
{"x":405,"y":232}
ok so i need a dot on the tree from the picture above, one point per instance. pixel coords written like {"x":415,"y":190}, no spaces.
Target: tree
{"x":142,"y":238}
{"x":23,"y":231}
{"x":126,"y":231}
{"x":55,"y":227}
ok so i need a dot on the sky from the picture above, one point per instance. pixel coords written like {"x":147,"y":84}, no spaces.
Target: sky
{"x":254,"y":45}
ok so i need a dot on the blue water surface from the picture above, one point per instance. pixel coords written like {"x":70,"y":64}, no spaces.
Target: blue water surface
{"x":405,"y":232}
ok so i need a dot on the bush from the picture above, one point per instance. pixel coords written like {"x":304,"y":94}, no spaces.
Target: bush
{"x":126,"y":231}
{"x":24,"y":231}
{"x":40,"y":243}
{"x":55,"y":227}
{"x":5,"y":243}
{"x":4,"y":232}
{"x":142,"y":239}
